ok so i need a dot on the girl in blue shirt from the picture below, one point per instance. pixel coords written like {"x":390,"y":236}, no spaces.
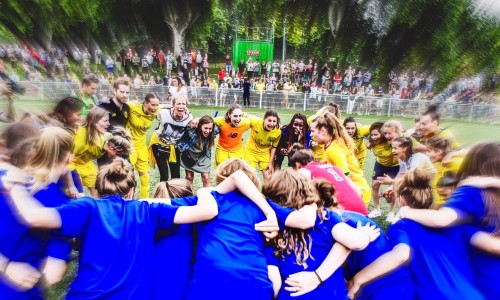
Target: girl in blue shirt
{"x":230,"y":261}
{"x":437,"y":259}
{"x":474,"y":203}
{"x":45,"y":157}
{"x":117,"y":233}
{"x":299,"y":250}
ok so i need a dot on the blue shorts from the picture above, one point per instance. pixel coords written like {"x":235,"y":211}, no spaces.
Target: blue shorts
{"x":379,"y":171}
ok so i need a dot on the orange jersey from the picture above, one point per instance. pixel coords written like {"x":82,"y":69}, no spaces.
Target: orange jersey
{"x":231,"y":138}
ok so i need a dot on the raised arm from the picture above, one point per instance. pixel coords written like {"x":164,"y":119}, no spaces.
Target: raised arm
{"x":205,"y":209}
{"x":486,"y":242}
{"x":355,"y":238}
{"x":34,"y":213}
{"x":443,"y":217}
{"x":382,"y":265}
{"x":241,"y":182}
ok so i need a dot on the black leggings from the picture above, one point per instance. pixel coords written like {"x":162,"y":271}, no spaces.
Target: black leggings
{"x":246,"y":99}
{"x":161,"y":157}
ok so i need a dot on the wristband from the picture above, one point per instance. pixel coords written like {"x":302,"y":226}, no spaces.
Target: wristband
{"x":319,"y":278}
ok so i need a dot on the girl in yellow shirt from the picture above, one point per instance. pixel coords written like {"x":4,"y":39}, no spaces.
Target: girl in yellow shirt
{"x":89,"y":145}
{"x":260,"y":148}
{"x":317,"y":149}
{"x":358,"y":134}
{"x":437,"y":149}
{"x":339,"y":150}
{"x":385,"y":164}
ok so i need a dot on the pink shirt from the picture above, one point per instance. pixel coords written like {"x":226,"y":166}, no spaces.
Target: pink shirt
{"x":345,"y":193}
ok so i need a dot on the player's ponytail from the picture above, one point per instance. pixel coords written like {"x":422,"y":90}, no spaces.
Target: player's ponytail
{"x":415,"y":189}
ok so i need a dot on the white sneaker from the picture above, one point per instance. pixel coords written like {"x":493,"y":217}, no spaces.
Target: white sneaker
{"x":374,"y":213}
{"x":390,"y":217}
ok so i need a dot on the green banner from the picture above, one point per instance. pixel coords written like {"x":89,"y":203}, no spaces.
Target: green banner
{"x":261,"y":51}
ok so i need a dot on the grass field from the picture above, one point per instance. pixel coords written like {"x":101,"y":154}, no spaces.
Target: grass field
{"x":467,"y":133}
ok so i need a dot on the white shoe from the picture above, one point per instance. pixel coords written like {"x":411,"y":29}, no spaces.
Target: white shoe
{"x":390,"y":217}
{"x":374,"y":213}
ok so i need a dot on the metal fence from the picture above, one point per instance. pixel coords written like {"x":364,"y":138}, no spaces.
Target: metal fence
{"x":296,"y":101}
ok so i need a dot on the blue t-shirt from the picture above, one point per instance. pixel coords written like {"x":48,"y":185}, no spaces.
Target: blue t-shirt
{"x":468,"y":202}
{"x":230,"y":261}
{"x":21,"y":244}
{"x":117,"y":245}
{"x":174,"y":257}
{"x":322,"y":242}
{"x":485,"y":266}
{"x":438,"y":260}
{"x":397,"y":284}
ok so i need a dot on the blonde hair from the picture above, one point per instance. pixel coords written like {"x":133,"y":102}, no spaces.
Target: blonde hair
{"x":121,"y":81}
{"x":174,"y":188}
{"x":394,"y":124}
{"x":293,"y":190}
{"x":231,"y":165}
{"x":415,"y":188}
{"x":116,"y":177}
{"x":335,"y":128}
{"x":94,"y":116}
{"x":52,"y":149}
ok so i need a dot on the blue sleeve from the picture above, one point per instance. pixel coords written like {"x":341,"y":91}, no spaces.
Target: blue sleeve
{"x":75,"y":216}
{"x":397,"y":234}
{"x":468,"y":203}
{"x":308,"y":139}
{"x":162,"y":215}
{"x":185,"y":201}
{"x":60,"y":248}
{"x":271,"y":260}
{"x":282,"y":213}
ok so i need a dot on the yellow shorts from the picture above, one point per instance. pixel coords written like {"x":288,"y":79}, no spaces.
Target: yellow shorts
{"x":221,"y":155}
{"x":261,"y":159}
{"x":366,"y":191}
{"x":88,"y":173}
{"x":139,"y":158}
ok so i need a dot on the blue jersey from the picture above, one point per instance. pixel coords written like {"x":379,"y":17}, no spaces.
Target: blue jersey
{"x":21,"y":244}
{"x":438,"y":261}
{"x":117,"y":245}
{"x":230,"y":260}
{"x":397,"y":284}
{"x":468,"y":202}
{"x":485,"y":266}
{"x":174,"y":257}
{"x":322,"y":242}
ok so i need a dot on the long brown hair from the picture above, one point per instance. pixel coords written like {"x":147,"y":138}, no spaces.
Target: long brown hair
{"x":484,"y":160}
{"x":232,"y":107}
{"x":293,"y":190}
{"x":199,"y":134}
{"x":174,"y":188}
{"x":94,"y":116}
{"x":305,"y":128}
{"x":336,"y":130}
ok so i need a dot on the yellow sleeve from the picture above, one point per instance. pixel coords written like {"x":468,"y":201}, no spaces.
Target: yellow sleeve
{"x":317,"y":114}
{"x":336,"y":157}
{"x":254,"y":120}
{"x":363,"y":131}
{"x":277,"y":139}
{"x":219,"y":121}
{"x":80,"y":141}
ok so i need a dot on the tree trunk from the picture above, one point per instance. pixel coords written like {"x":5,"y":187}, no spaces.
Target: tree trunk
{"x":179,"y":16}
{"x":178,"y":39}
{"x":336,"y":11}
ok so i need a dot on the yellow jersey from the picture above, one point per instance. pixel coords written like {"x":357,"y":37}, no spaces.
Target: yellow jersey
{"x":339,"y":155}
{"x":83,"y":150}
{"x":261,"y":140}
{"x":139,"y":123}
{"x":383,"y":153}
{"x":231,"y":138}
{"x":447,"y":135}
{"x":359,"y":141}
{"x":455,"y":164}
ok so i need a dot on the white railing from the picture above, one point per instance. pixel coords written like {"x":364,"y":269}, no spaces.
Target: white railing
{"x":382,"y":106}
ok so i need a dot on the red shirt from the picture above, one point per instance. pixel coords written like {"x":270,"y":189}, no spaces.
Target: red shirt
{"x":222,"y":74}
{"x":344,"y":192}
{"x":337,"y":78}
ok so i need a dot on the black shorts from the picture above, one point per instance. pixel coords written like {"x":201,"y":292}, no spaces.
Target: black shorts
{"x":379,"y":170}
